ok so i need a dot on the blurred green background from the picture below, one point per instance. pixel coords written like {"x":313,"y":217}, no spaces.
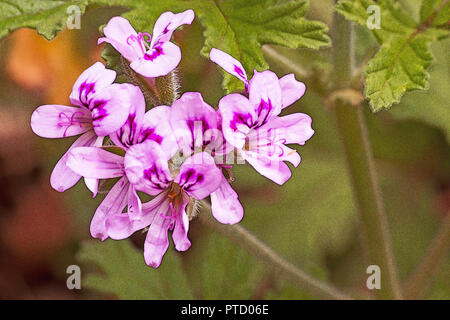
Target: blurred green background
{"x":311,"y":220}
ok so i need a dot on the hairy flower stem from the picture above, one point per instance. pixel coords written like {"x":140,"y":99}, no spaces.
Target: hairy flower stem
{"x":353,"y":132}
{"x":260,"y":250}
{"x":418,"y":284}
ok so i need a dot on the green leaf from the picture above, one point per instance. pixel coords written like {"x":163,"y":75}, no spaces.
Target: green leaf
{"x":431,"y":107}
{"x":126,"y":275}
{"x":402,"y":61}
{"x":238,"y":27}
{"x":46,"y":16}
{"x":228,"y":272}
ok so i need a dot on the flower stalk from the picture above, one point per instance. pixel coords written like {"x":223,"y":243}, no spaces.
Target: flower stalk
{"x":353,"y":131}
{"x":260,"y":250}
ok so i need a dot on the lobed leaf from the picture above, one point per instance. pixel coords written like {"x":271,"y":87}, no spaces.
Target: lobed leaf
{"x":119,"y":262}
{"x":402,"y":61}
{"x":46,"y":16}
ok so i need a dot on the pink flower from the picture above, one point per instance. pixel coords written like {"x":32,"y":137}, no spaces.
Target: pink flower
{"x":101,"y":108}
{"x":96,"y":163}
{"x":197,"y":126}
{"x":252,"y":124}
{"x":151,"y":57}
{"x":145,"y":167}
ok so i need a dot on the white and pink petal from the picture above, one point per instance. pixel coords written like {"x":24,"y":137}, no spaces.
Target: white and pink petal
{"x":122,"y":36}
{"x":229,"y":64}
{"x":225,"y":204}
{"x":62,"y":177}
{"x":93,"y":162}
{"x":158,"y":61}
{"x":89,"y":82}
{"x":57,"y":121}
{"x":199,"y":176}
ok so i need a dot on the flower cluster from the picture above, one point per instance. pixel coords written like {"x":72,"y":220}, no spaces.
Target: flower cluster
{"x":177,"y":154}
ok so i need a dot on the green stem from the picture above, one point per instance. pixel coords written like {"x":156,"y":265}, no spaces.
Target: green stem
{"x":254,"y":246}
{"x":353,"y":131}
{"x":418,"y":284}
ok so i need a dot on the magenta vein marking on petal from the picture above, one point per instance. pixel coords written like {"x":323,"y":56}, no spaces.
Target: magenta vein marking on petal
{"x":99,"y":108}
{"x":263,"y":107}
{"x":154,"y":176}
{"x":84,"y":90}
{"x":205,"y":126}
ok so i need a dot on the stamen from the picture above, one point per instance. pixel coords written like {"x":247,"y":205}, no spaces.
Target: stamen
{"x":71,"y":120}
{"x":140,"y":39}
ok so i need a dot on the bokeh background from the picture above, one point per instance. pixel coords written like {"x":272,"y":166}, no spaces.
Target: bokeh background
{"x":311,"y":220}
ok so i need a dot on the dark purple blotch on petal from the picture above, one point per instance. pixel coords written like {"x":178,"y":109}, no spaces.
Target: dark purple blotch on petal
{"x":190,"y":178}
{"x":98,"y":108}
{"x":241,"y":118}
{"x":150,"y":134}
{"x":157,"y":51}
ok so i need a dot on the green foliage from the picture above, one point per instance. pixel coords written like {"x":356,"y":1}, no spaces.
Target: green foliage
{"x":227,"y":272}
{"x":46,"y":16}
{"x":127,"y":276}
{"x":238,"y":27}
{"x":401,"y":63}
{"x":432,"y":106}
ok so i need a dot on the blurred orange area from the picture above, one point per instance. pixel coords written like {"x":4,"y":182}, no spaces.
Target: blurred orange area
{"x":49,"y":66}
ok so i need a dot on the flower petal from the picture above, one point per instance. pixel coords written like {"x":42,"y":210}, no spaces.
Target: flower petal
{"x":92,"y":184}
{"x":229,"y":64}
{"x":225,"y":205}
{"x":277,"y":171}
{"x":291,"y":90}
{"x":56,"y":121}
{"x":194,"y":122}
{"x":158,"y":61}
{"x":110,"y":107}
{"x":199,"y":176}
{"x":122,"y":36}
{"x":122,"y":225}
{"x":157,"y":240}
{"x":129,"y":133}
{"x":114,"y":203}
{"x":179,"y":235}
{"x":146,"y":167}
{"x":238,"y":117}
{"x":62,"y":177}
{"x":293,"y":128}
{"x":92,"y":162}
{"x":167,"y":23}
{"x":156,"y":127}
{"x":90,"y":81}
{"x":265,"y":95}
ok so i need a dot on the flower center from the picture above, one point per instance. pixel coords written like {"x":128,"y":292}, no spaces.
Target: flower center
{"x":175,"y":195}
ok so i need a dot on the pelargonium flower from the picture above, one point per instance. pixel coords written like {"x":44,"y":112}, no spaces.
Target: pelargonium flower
{"x":252,"y":124}
{"x":152,"y":57}
{"x":96,"y":163}
{"x":146,"y":168}
{"x":197,"y":126}
{"x":101,"y":108}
